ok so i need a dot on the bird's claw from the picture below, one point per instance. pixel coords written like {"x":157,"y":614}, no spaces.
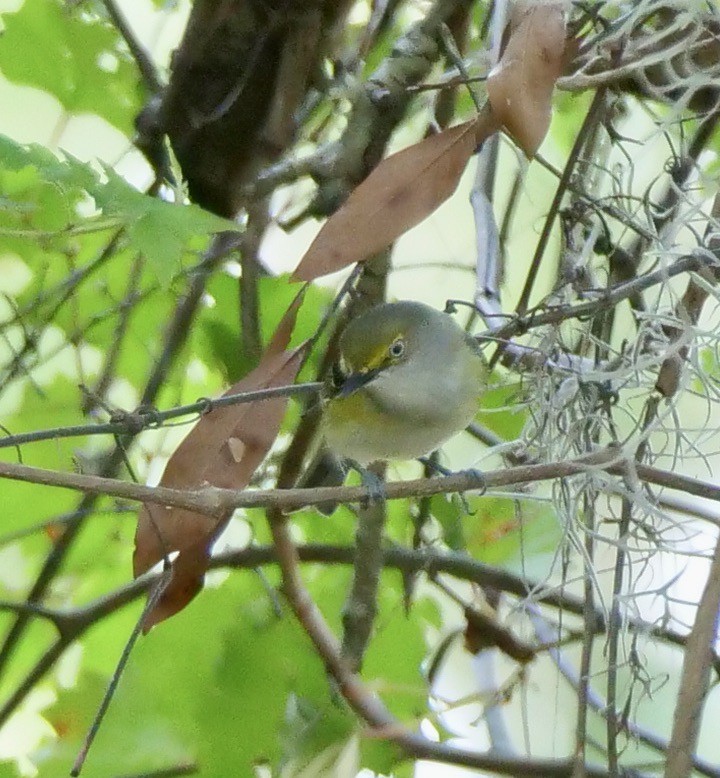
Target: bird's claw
{"x":373,"y":483}
{"x":478,"y":476}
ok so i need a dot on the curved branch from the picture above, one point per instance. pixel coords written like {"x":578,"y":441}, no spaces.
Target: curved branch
{"x":369,"y":707}
{"x":147,"y":68}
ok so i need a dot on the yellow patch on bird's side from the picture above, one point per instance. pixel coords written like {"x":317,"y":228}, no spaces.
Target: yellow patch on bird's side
{"x":349,"y":410}
{"x":348,"y":418}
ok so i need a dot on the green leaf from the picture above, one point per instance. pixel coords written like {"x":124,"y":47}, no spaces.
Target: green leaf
{"x":69,"y":173}
{"x":216,"y":335}
{"x":337,"y":529}
{"x":570,"y":110}
{"x":123,"y":744}
{"x":380,"y":756}
{"x":78,"y":58}
{"x":511,"y":532}
{"x":449,"y":512}
{"x":500,"y":411}
{"x":55,"y":405}
{"x":398,"y":649}
{"x":271,"y":686}
{"x":227,"y":683}
{"x":8,"y":770}
{"x":161,"y":231}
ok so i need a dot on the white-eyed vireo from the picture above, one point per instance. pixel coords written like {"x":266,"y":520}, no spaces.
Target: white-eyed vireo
{"x":407,"y":379}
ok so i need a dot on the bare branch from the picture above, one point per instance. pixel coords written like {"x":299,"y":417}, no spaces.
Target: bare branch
{"x":369,"y":707}
{"x":144,"y":61}
{"x":214,"y":501}
{"x":695,"y":679}
{"x":133,"y":422}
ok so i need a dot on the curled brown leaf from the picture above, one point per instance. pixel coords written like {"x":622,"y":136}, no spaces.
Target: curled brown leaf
{"x":223,"y":449}
{"x":402,"y":190}
{"x":520,"y":86}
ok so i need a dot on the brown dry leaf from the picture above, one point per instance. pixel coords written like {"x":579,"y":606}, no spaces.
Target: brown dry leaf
{"x":520,"y":86}
{"x":223,"y":449}
{"x":402,"y":190}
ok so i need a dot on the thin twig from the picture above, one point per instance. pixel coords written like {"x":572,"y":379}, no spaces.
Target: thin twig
{"x":115,"y":349}
{"x":369,"y":707}
{"x":593,"y":116}
{"x":168,"y":772}
{"x":605,"y":297}
{"x":588,"y":634}
{"x":73,"y":623}
{"x":133,"y":422}
{"x":612,"y":719}
{"x":361,"y":605}
{"x":147,"y":68}
{"x":597,"y":703}
{"x":258,"y":218}
{"x":615,"y":618}
{"x":156,"y":593}
{"x":176,"y":334}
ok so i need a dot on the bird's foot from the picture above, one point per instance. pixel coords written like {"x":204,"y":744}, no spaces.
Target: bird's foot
{"x":374,"y":484}
{"x":434,"y":466}
{"x":476,"y":475}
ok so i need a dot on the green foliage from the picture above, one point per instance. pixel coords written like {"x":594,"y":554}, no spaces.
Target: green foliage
{"x":710,"y":367}
{"x":508,"y":532}
{"x":215,"y":334}
{"x":498,"y":530}
{"x":570,"y":111}
{"x":78,"y":58}
{"x":271,"y":680}
{"x":99,"y":267}
{"x":54,"y":406}
{"x":161,"y":231}
{"x":8,"y":770}
{"x":47,"y":191}
{"x":232,"y":682}
{"x":500,"y":411}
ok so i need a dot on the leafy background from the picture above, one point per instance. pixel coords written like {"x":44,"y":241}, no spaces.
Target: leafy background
{"x":93,"y":270}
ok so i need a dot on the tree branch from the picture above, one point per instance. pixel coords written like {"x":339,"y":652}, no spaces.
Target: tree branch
{"x":695,"y":678}
{"x":369,"y":707}
{"x":214,"y":501}
{"x":133,"y":422}
{"x":147,"y":68}
{"x":73,"y":623}
{"x":175,"y":336}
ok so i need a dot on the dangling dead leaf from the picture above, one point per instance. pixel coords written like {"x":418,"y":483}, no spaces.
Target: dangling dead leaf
{"x":520,"y":86}
{"x":224,"y":449}
{"x":402,"y":190}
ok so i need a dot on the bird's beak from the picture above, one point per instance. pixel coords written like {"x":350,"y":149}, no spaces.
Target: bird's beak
{"x":356,"y":381}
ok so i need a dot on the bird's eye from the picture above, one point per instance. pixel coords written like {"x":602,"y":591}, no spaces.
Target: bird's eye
{"x":397,"y":348}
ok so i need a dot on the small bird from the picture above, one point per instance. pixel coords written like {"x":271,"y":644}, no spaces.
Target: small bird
{"x":407,"y":379}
